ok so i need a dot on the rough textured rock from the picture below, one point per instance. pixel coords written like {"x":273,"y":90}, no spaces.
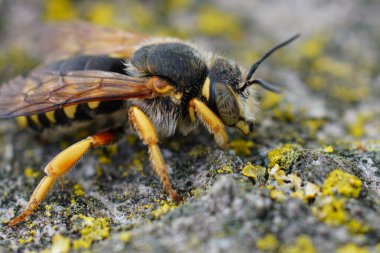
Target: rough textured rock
{"x":306,"y":180}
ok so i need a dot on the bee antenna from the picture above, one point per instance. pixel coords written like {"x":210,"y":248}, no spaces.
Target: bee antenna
{"x":265,"y":56}
{"x":262,"y":83}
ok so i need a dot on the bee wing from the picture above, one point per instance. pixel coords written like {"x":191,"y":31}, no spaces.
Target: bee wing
{"x":43,"y":91}
{"x":62,"y":40}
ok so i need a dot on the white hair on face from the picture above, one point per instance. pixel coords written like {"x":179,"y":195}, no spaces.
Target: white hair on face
{"x":161,"y":111}
{"x":249,"y":104}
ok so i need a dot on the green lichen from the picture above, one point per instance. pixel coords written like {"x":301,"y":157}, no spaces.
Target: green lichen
{"x":283,"y":156}
{"x":343,"y":183}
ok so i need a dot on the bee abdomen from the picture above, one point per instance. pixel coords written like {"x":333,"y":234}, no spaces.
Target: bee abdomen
{"x":88,"y":62}
{"x":69,"y":114}
{"x":80,"y":112}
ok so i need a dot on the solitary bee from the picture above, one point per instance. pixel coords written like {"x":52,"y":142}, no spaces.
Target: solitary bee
{"x":162,"y":84}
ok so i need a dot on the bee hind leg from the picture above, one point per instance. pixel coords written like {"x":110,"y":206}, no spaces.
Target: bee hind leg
{"x":61,"y":164}
{"x":147,"y":133}
{"x":211,"y":121}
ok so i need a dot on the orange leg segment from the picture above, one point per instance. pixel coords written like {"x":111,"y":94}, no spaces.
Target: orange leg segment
{"x":148,"y":135}
{"x":211,"y":121}
{"x":60,"y":165}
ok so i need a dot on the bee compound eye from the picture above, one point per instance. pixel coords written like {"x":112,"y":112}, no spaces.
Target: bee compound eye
{"x":226,"y":103}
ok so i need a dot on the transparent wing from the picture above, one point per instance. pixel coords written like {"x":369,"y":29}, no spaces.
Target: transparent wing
{"x":43,"y":91}
{"x":63,"y":40}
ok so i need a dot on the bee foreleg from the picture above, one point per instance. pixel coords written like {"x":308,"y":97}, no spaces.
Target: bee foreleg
{"x":148,"y":135}
{"x":60,"y":165}
{"x":211,"y":121}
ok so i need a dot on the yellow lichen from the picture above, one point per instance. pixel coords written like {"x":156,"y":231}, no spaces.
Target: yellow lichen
{"x":141,"y":16}
{"x":196,"y":193}
{"x":313,"y":47}
{"x":343,"y":183}
{"x":21,"y":62}
{"x":313,"y":125}
{"x":101,"y":13}
{"x":332,"y":66}
{"x":105,"y":160}
{"x":241,"y":147}
{"x":255,"y":172}
{"x":112,"y":149}
{"x":352,"y":248}
{"x":125,"y":237}
{"x":311,"y":191}
{"x":48,"y":209}
{"x":214,"y":22}
{"x":29,"y":172}
{"x":91,"y":229}
{"x":25,"y":240}
{"x":331,"y":211}
{"x":354,"y":94}
{"x":163,"y":209}
{"x":356,"y":129}
{"x":60,"y":244}
{"x":294,"y":180}
{"x":285,"y":113}
{"x":328,"y":149}
{"x":59,"y":10}
{"x":303,"y":244}
{"x":173,"y":5}
{"x":283,"y":156}
{"x":317,"y":82}
{"x":270,"y":100}
{"x":78,"y":190}
{"x":357,"y":227}
{"x":277,"y":195}
{"x":225,"y":170}
{"x":267,"y":243}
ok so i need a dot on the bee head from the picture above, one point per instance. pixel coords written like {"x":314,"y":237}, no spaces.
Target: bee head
{"x":221,"y":94}
{"x":227,"y":94}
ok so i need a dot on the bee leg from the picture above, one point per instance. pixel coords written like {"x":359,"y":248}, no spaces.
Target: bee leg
{"x":148,"y":135}
{"x":60,"y":165}
{"x":211,"y":121}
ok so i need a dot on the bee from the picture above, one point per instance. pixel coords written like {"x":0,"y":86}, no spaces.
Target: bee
{"x":163,"y":85}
